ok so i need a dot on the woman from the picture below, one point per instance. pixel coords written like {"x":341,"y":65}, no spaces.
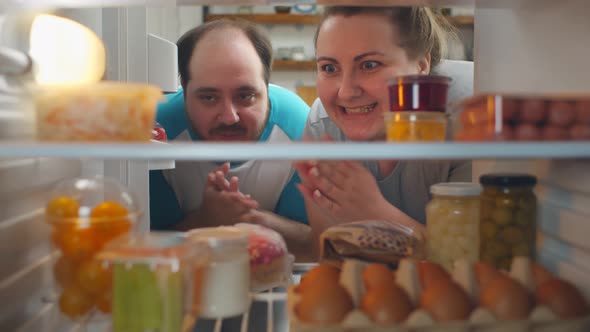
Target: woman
{"x":358,"y":50}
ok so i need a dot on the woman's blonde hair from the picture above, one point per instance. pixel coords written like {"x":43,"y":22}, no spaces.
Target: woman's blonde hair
{"x":422,"y":31}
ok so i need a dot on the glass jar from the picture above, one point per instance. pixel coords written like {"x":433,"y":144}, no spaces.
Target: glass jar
{"x":508,"y":218}
{"x":221,"y":283}
{"x":452,"y":223}
{"x":418,"y":104}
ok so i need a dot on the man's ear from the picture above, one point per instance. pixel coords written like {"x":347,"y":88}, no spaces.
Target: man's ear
{"x":424,"y":64}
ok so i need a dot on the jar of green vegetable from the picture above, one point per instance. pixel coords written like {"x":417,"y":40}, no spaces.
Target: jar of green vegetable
{"x":508,"y":218}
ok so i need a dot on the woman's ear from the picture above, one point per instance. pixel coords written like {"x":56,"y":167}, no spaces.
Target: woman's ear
{"x":424,"y":65}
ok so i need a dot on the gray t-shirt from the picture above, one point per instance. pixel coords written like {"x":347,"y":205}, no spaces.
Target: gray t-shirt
{"x":408,"y":186}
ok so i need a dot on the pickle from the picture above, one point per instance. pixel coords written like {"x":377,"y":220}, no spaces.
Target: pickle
{"x":488,"y":229}
{"x":512,"y":235}
{"x":502,"y":216}
{"x":521,"y":249}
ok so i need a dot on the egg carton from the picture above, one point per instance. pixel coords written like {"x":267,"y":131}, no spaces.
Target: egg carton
{"x":541,"y":318}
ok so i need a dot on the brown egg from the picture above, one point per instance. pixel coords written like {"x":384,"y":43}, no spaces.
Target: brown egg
{"x":322,"y":274}
{"x":324,"y":305}
{"x":580,"y":132}
{"x":583,"y":112}
{"x":446,"y":301}
{"x":561,"y":113}
{"x":377,"y":274}
{"x":431,"y":272}
{"x":533,"y":111}
{"x":540,"y":274}
{"x":510,"y":109}
{"x":553,"y":133}
{"x":527,"y":132}
{"x":386,"y":305}
{"x":507,"y":299}
{"x":562,"y":298}
{"x":484,"y":273}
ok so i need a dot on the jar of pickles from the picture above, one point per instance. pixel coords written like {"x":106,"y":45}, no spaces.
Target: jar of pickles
{"x":452,"y":223}
{"x":508,"y":218}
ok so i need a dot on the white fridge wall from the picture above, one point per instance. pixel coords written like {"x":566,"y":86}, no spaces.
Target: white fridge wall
{"x":542,"y":46}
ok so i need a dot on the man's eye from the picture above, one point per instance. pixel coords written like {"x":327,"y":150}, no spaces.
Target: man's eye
{"x":370,"y":64}
{"x":207,"y":98}
{"x":246,"y":96}
{"x":329,"y":68}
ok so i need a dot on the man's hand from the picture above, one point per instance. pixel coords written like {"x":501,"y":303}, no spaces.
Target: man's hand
{"x":225,"y":207}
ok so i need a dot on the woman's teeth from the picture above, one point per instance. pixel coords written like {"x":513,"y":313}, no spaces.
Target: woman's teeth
{"x":359,"y":110}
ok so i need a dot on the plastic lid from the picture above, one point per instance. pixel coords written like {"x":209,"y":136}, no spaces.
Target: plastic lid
{"x":220,"y":237}
{"x":508,"y":179}
{"x":456,"y":189}
{"x":436,"y":79}
{"x":91,"y":200}
{"x":153,"y":248}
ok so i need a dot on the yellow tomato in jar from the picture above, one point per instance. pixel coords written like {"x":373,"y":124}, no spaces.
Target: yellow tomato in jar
{"x":62,"y":207}
{"x":76,"y":244}
{"x":64,"y":271}
{"x":74,"y":302}
{"x":109,"y":220}
{"x":93,"y":277}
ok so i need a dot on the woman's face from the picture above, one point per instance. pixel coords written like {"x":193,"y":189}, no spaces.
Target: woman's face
{"x":356,"y":57}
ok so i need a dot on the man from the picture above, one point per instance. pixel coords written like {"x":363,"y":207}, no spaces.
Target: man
{"x":224,"y":70}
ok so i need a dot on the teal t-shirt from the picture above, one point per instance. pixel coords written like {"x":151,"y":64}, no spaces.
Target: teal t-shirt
{"x":287,"y":111}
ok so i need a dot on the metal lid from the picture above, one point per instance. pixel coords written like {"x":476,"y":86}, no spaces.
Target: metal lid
{"x":508,"y":179}
{"x":456,"y":189}
{"x":219,"y":237}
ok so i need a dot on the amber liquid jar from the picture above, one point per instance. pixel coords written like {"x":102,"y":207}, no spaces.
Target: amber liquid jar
{"x":508,"y":218}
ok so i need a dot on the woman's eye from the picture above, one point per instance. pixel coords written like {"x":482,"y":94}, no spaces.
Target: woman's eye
{"x":370,"y":64}
{"x":328,"y":68}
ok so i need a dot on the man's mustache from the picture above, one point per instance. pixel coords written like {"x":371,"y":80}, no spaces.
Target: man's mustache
{"x":232,"y":128}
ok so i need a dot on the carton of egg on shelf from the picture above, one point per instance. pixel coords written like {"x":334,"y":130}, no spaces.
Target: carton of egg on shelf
{"x":522,"y":118}
{"x":423,"y":296}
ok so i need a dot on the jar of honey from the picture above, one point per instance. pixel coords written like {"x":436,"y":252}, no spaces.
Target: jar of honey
{"x":508,"y":218}
{"x":418,"y":104}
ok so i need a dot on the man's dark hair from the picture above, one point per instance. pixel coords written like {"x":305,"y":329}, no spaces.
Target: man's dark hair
{"x":187,"y":43}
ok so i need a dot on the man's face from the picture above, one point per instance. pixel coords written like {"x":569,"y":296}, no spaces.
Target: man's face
{"x":226,"y":97}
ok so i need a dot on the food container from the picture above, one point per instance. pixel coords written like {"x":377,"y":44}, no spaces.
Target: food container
{"x":508,"y":218}
{"x":105,"y":111}
{"x":221,"y":283}
{"x":85,"y":214}
{"x":271,"y":265}
{"x":371,"y":240}
{"x":522,"y":118}
{"x":452,"y":223}
{"x":151,"y":281}
{"x":423,"y":297}
{"x":418,"y":104}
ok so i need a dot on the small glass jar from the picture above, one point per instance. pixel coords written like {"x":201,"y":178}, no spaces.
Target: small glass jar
{"x":452,"y":223}
{"x":508,"y":218}
{"x":221,"y":284}
{"x":418,"y":104}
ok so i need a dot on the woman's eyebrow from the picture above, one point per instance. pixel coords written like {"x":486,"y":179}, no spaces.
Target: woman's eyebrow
{"x":360,"y":57}
{"x":325,"y":58}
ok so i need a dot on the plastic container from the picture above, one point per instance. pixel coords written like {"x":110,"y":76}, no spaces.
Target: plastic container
{"x":452,"y":223}
{"x":415,"y":126}
{"x":221,"y":283}
{"x":271,"y":265}
{"x":371,"y":240}
{"x":85,"y":214}
{"x":418,"y":104}
{"x":522,"y":118}
{"x":508,"y":218}
{"x":151,"y":281}
{"x":106,"y":111}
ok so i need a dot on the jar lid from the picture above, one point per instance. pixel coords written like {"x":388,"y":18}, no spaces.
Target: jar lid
{"x":220,"y":237}
{"x":508,"y":179}
{"x":456,"y":189}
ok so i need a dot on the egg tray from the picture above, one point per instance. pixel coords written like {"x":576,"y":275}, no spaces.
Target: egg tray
{"x":522,"y":118}
{"x":541,"y":318}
